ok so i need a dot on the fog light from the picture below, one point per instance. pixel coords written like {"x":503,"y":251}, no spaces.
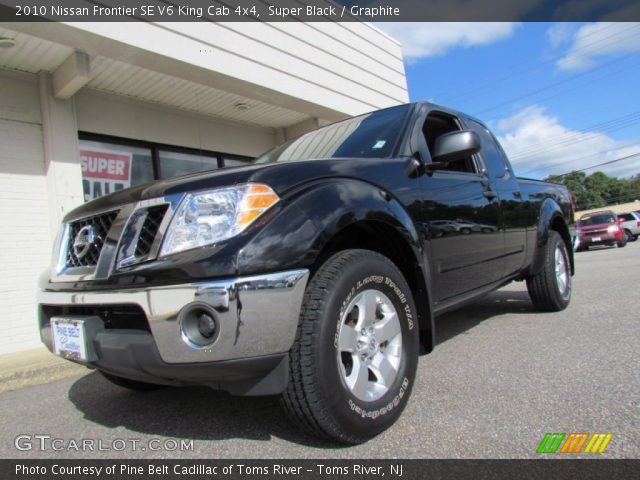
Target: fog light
{"x":206,"y":325}
{"x":198,"y":325}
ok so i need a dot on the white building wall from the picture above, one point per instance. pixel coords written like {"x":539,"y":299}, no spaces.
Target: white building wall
{"x":115,"y":115}
{"x":317,"y":63}
{"x":25,"y":245}
{"x":324,"y":70}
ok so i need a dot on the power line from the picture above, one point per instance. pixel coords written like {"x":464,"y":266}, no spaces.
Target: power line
{"x":613,"y":124}
{"x":572,"y":138}
{"x":516,"y":73}
{"x":559,"y":82}
{"x":615,"y":160}
{"x":555,"y":164}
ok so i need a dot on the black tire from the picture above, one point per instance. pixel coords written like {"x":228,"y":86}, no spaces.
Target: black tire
{"x":317,"y":397}
{"x":629,"y":236}
{"x":622,"y":243}
{"x":634,"y":238}
{"x":544,"y":287}
{"x":130,"y":384}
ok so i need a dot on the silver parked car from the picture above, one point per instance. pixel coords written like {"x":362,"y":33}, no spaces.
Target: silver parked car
{"x":630,"y":223}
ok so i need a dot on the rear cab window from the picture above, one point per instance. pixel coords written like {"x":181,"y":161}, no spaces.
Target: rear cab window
{"x":492,"y":154}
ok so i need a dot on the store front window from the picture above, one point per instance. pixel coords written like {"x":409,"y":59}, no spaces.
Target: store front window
{"x":109,"y":167}
{"x":110,"y":164}
{"x":175,"y":164}
{"x":234,"y":162}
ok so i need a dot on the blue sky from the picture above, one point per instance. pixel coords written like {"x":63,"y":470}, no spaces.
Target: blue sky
{"x":560,"y":97}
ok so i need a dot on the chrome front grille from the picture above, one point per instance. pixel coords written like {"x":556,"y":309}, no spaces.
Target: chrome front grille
{"x":86,"y":239}
{"x":149,"y":230}
{"x":596,"y":232}
{"x":92,"y":248}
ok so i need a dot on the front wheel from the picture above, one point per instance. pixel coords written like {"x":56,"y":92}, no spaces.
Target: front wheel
{"x":550,"y":288}
{"x":622,"y":243}
{"x":354,"y":360}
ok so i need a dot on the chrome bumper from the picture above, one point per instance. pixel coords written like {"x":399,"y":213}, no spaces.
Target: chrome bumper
{"x":256,"y":315}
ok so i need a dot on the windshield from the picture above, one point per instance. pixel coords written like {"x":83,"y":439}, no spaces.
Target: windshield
{"x":597,"y":219}
{"x":368,"y":136}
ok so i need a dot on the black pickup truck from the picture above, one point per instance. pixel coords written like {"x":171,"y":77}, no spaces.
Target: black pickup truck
{"x":314,"y":273}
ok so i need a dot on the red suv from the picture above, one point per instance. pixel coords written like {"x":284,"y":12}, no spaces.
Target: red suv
{"x":599,"y":228}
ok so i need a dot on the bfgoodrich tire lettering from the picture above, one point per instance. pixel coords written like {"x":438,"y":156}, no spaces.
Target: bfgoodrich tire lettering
{"x":317,"y":396}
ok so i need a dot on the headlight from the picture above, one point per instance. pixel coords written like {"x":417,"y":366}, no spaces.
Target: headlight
{"x":613,"y":229}
{"x":210,"y":217}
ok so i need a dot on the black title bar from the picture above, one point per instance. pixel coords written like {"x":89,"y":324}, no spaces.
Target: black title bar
{"x":319,"y":469}
{"x":317,"y":10}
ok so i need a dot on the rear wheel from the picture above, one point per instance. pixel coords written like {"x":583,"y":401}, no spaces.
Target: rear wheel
{"x":354,"y":360}
{"x":550,"y":289}
{"x":130,"y":384}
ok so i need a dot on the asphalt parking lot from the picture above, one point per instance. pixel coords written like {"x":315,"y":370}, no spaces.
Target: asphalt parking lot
{"x":501,"y":377}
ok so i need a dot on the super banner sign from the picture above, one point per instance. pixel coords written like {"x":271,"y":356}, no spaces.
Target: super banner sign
{"x":104,"y":172}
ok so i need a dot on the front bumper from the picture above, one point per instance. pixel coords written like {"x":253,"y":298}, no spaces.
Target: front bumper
{"x":256,"y":316}
{"x":604,"y":239}
{"x":134,"y":355}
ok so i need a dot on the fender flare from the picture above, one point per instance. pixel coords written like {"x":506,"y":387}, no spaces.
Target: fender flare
{"x":550,"y":214}
{"x":316,"y":213}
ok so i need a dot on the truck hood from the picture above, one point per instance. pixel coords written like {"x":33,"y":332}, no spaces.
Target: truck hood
{"x":279,"y":176}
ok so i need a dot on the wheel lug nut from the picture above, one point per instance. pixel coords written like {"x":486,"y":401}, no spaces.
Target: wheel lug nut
{"x":364,"y":331}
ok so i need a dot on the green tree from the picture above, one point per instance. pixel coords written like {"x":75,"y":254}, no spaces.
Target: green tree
{"x":599,"y":189}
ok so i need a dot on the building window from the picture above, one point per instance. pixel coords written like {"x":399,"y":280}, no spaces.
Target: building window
{"x":110,"y":163}
{"x":175,"y":164}
{"x":234,"y":161}
{"x":109,"y":167}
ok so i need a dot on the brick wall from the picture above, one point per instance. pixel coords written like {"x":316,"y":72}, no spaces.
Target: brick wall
{"x":25,"y":232}
{"x":25,"y":239}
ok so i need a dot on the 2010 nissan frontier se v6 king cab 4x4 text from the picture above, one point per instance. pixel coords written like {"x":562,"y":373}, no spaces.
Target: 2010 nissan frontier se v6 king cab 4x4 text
{"x":314,"y":273}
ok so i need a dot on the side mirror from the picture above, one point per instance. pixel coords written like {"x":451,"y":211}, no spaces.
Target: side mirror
{"x":454,"y":146}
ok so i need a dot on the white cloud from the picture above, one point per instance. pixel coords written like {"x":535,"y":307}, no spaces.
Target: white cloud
{"x":596,"y":40}
{"x":420,"y":40}
{"x":539,"y":145}
{"x":560,"y":33}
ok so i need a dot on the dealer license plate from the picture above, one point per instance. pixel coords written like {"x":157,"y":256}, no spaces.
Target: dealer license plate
{"x":69,"y":338}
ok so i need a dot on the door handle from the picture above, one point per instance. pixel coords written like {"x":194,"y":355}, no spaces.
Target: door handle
{"x":490,"y":194}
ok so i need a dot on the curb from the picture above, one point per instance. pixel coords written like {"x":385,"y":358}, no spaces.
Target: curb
{"x":34,"y":367}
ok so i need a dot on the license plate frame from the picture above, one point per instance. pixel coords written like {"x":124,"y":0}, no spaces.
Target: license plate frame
{"x":72,"y":337}
{"x":596,"y":239}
